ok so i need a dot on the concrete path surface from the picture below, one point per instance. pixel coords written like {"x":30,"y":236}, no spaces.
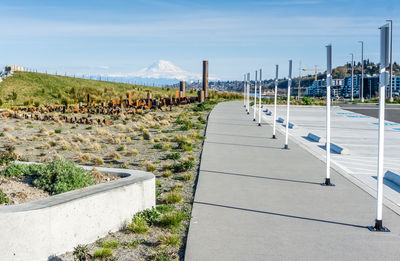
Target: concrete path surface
{"x":357,"y":133}
{"x":257,"y":201}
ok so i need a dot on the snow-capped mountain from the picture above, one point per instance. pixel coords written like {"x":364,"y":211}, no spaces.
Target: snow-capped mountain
{"x":165,"y":70}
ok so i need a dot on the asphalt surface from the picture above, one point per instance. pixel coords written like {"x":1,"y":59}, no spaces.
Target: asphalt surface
{"x":392,"y":111}
{"x":256,"y":201}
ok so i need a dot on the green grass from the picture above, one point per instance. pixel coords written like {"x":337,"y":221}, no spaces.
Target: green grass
{"x":109,"y":244}
{"x":173,"y":197}
{"x":3,"y":198}
{"x":103,"y":253}
{"x":170,"y":240}
{"x":138,"y":225}
{"x":182,"y":166}
{"x":173,"y":156}
{"x":42,"y":89}
{"x":172,"y":219}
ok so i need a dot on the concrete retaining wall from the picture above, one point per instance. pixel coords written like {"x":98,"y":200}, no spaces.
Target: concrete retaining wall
{"x":44,"y":228}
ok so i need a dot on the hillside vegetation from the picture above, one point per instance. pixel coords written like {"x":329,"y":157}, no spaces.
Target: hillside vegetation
{"x":28,"y":88}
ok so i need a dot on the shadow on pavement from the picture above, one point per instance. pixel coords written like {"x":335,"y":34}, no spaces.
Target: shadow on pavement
{"x":260,"y":177}
{"x":282,"y":215}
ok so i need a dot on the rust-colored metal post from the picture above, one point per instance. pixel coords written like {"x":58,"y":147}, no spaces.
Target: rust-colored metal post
{"x":205,"y":78}
{"x":182,"y":87}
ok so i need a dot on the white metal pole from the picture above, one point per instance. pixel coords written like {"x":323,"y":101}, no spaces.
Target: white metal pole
{"x":259,"y":100}
{"x":275,"y":98}
{"x":244,"y":90}
{"x":328,"y":113}
{"x":255,"y":97}
{"x":352,"y":77}
{"x":288,"y":105}
{"x":361,"y":92}
{"x":384,"y":63}
{"x":391,"y":63}
{"x":248,"y":93}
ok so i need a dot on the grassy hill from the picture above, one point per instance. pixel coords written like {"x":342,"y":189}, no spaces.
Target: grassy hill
{"x":28,"y":88}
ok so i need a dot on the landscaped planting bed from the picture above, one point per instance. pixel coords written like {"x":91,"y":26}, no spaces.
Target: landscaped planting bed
{"x":167,"y":143}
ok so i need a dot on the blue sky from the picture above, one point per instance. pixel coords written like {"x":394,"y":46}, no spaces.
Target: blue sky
{"x":108,"y":37}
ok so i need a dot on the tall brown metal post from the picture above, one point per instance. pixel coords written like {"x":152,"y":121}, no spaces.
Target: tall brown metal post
{"x":205,"y":78}
{"x":182,"y":87}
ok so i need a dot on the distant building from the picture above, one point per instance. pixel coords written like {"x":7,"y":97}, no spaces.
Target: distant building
{"x":318,"y":89}
{"x":14,"y":68}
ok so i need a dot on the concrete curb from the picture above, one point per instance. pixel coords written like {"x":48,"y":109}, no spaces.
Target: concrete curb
{"x":315,"y":138}
{"x":44,"y":228}
{"x":393,"y":177}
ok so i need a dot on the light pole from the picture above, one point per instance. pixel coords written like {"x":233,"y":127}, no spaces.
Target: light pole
{"x":255,"y":97}
{"x":352,"y":77}
{"x":288,"y":105}
{"x":275,"y":98}
{"x":259,"y":100}
{"x":391,"y":64}
{"x":244,"y":90}
{"x":328,"y":114}
{"x":384,"y":63}
{"x":362,"y":72}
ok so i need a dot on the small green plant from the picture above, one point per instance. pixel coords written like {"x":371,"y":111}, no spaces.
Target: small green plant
{"x":182,"y":166}
{"x":81,"y":253}
{"x":146,"y":135}
{"x":120,"y":148}
{"x":150,"y":167}
{"x":109,"y":244}
{"x":170,"y":240}
{"x":2,"y":134}
{"x":103,"y":253}
{"x":307,"y":101}
{"x":185,"y":177}
{"x":165,"y":208}
{"x":15,"y":170}
{"x":173,"y":156}
{"x":158,"y":146}
{"x":58,"y":130}
{"x":150,"y":216}
{"x":134,"y":243}
{"x":3,"y":198}
{"x":138,"y":225}
{"x":172,"y":219}
{"x":173,"y":197}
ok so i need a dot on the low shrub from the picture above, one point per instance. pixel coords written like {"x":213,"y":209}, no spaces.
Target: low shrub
{"x":173,"y":197}
{"x":182,"y":166}
{"x":169,"y":240}
{"x":150,"y":167}
{"x":58,"y":130}
{"x":158,"y":146}
{"x":173,"y":156}
{"x":165,"y":208}
{"x":138,"y":225}
{"x":3,"y":198}
{"x":81,"y":253}
{"x":103,"y":253}
{"x":150,"y":216}
{"x":172,"y":219}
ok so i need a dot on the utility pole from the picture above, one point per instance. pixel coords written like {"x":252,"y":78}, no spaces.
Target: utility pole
{"x":362,"y":72}
{"x":352,"y":77}
{"x":391,"y":64}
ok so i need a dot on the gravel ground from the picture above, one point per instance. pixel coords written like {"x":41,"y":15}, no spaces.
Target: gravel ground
{"x":135,"y":142}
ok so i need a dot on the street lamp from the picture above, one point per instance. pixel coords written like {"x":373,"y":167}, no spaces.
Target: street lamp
{"x":352,"y":77}
{"x":391,"y":64}
{"x":362,"y":72}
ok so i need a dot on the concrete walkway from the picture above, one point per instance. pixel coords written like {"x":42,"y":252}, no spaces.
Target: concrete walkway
{"x":257,"y":201}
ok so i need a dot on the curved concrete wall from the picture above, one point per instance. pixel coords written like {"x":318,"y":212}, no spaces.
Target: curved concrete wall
{"x":44,"y":228}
